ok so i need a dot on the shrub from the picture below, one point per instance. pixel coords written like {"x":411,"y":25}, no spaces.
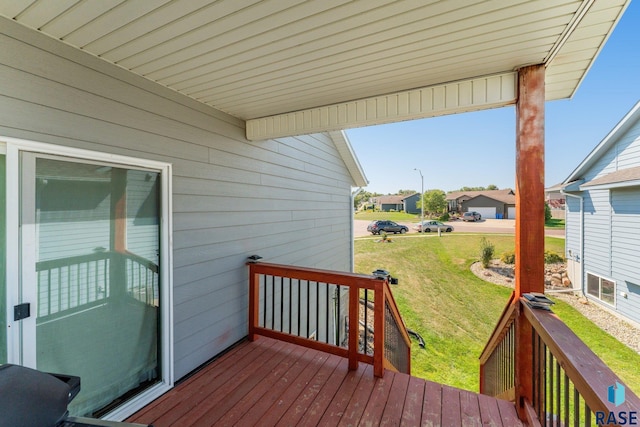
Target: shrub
{"x":508,"y":257}
{"x":486,"y":252}
{"x":547,"y":212}
{"x":551,"y":257}
{"x":444,"y":217}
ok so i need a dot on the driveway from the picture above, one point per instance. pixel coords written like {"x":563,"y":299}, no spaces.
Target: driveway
{"x":499,"y":226}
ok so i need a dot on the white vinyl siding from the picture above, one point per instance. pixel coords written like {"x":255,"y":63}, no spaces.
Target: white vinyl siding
{"x":287,"y":200}
{"x":572,"y":229}
{"x":597,"y":232}
{"x":625,"y":248}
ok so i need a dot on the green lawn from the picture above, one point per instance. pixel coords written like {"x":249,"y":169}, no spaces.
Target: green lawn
{"x":391,"y":216}
{"x":454,"y":311}
{"x":554,"y":223}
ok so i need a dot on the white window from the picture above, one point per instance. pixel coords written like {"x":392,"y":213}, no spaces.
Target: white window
{"x":601,"y":288}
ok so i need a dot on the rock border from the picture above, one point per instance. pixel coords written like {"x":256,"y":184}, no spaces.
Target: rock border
{"x":502,"y":274}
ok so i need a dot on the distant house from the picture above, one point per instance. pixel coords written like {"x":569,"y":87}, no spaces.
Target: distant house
{"x":410,"y":204}
{"x":397,"y":203}
{"x":489,"y":203}
{"x":556,"y":200}
{"x":603,"y":220}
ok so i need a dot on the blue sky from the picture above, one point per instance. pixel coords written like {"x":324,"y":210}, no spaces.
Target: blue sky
{"x":478,"y":149}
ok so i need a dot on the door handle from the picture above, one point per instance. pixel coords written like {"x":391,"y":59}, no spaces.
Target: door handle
{"x":21,"y":311}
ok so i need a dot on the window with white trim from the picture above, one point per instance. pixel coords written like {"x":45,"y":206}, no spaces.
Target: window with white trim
{"x":601,"y":288}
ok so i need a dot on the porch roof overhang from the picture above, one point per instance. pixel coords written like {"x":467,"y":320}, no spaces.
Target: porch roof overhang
{"x":297,"y":67}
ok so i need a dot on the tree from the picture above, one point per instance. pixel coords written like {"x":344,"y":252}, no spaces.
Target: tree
{"x":406,"y":192}
{"x":547,"y":212}
{"x":435,"y":201}
{"x":487,"y":188}
{"x":363,"y":197}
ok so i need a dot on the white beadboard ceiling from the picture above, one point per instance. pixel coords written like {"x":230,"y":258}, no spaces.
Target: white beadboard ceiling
{"x":276,"y":63}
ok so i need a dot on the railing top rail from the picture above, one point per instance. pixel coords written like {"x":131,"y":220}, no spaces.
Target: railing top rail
{"x":316,"y":275}
{"x":588,"y":372}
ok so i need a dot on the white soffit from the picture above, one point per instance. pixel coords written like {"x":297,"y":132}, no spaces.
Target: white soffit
{"x":456,"y":97}
{"x":350,"y":63}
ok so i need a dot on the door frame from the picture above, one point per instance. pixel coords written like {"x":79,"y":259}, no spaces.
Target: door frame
{"x":13,"y":147}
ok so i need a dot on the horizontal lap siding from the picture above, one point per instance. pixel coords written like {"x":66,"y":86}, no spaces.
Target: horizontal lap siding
{"x":572,"y":227}
{"x":287,"y":200}
{"x":597,"y":232}
{"x":625,"y":249}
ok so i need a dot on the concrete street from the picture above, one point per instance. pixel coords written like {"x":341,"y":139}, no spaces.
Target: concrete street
{"x":500,"y":226}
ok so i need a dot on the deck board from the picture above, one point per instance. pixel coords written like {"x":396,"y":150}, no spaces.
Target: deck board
{"x":268,"y":382}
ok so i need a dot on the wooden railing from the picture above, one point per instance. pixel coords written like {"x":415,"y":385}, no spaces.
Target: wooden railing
{"x":565,"y":383}
{"x":350,"y":315}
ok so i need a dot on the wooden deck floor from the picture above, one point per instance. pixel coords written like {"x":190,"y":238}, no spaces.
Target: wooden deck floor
{"x":272,"y":383}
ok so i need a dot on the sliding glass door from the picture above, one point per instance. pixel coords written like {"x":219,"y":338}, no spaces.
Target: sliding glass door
{"x":90,"y":251}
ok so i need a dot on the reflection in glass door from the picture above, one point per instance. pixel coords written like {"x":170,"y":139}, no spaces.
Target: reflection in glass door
{"x":91,"y":245}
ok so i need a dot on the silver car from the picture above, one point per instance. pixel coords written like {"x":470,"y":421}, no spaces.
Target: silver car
{"x":429,"y":226}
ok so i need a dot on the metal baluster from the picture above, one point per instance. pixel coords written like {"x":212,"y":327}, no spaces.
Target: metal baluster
{"x":576,"y":407}
{"x":327,"y":299}
{"x":281,"y":304}
{"x":308,"y":307}
{"x":290,"y":304}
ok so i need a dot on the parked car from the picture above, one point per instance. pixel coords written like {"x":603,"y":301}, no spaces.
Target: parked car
{"x":376,"y":227}
{"x":429,"y":226}
{"x":471,"y":216}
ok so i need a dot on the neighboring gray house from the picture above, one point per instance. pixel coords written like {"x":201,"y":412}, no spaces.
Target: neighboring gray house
{"x":410,"y":204}
{"x":603,"y":220}
{"x":489,"y":203}
{"x":389,"y":203}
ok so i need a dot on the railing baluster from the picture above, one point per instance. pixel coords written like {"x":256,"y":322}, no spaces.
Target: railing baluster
{"x":566,"y":399}
{"x":308,"y":308}
{"x":328,"y":304}
{"x":366,"y":318}
{"x":273,"y":301}
{"x":549,"y":387}
{"x":317,"y":326}
{"x":576,"y":408}
{"x":290,"y":305}
{"x":281,"y":303}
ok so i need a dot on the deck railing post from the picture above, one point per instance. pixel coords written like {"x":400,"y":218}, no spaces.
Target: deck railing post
{"x":254,"y":301}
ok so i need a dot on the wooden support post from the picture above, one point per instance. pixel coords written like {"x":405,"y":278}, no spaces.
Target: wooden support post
{"x":529,"y":252}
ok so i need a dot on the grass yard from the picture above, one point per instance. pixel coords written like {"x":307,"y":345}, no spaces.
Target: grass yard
{"x":391,"y":216}
{"x":455,"y":311}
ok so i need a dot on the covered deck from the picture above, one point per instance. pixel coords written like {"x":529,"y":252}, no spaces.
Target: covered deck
{"x":345,"y":360}
{"x":270,"y":382}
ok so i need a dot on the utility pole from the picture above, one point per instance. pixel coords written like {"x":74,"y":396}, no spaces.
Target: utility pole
{"x":421,"y":198}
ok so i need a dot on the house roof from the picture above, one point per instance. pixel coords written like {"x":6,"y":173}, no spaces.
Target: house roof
{"x":349,"y":157}
{"x":390,"y":200}
{"x":612,"y":137}
{"x":622,"y":178}
{"x":505,"y":196}
{"x":297,"y":67}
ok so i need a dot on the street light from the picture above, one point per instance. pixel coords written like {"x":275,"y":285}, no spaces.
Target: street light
{"x":421,"y":198}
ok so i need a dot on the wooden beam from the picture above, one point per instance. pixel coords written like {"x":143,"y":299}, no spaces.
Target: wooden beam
{"x":529,"y":271}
